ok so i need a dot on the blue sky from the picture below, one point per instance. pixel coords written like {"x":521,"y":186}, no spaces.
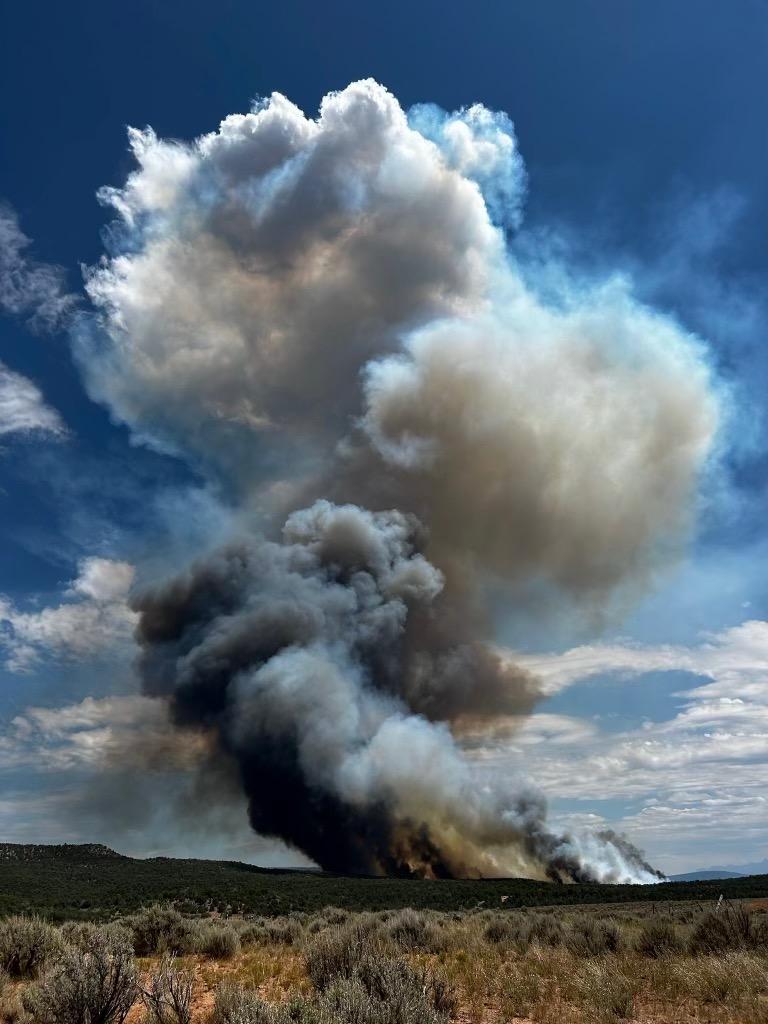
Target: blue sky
{"x":641,"y":126}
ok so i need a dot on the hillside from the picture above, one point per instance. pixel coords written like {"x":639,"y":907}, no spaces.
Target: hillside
{"x":92,"y":881}
{"x":70,"y":852}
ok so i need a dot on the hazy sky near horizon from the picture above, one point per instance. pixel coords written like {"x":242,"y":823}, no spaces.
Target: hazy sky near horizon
{"x":642,"y":129}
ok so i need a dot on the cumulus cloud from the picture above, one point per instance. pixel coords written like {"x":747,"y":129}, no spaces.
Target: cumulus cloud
{"x":23,"y":408}
{"x":92,"y":619}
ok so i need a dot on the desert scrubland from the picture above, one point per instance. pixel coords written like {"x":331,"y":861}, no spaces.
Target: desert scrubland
{"x":646,"y":962}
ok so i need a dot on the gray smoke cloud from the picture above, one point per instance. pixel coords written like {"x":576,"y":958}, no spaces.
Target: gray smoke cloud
{"x":324,"y":313}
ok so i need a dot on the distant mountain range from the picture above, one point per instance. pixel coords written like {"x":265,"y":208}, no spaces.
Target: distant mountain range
{"x":759,"y":867}
{"x":706,"y":875}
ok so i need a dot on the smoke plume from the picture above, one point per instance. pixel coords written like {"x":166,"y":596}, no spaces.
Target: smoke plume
{"x":325,"y":315}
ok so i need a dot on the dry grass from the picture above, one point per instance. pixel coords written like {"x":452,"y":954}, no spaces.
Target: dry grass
{"x":672,"y":965}
{"x":277,"y":973}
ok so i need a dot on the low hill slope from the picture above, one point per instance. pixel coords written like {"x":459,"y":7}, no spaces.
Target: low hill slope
{"x":80,"y":853}
{"x":92,"y":881}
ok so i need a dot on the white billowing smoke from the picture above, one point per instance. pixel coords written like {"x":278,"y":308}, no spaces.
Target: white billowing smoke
{"x":324,"y":313}
{"x":275,"y":258}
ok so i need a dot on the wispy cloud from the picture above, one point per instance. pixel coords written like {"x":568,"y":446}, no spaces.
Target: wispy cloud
{"x":23,"y":409}
{"x":35,"y":291}
{"x":735,"y":660}
{"x":29,"y":288}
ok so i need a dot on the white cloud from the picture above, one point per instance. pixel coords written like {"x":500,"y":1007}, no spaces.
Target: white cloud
{"x":94,"y":731}
{"x":104,"y":580}
{"x":524,"y":731}
{"x":736,"y":660}
{"x":59,"y":739}
{"x":93,"y":618}
{"x":34,"y":290}
{"x":23,"y":408}
{"x":700,"y":776}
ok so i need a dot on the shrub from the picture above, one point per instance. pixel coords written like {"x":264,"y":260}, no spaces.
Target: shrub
{"x":731,"y":927}
{"x":26,"y":944}
{"x":254,"y":935}
{"x":331,"y":954}
{"x":383,"y":991}
{"x":410,"y":930}
{"x":347,"y":1001}
{"x":283,"y":931}
{"x":440,"y":995}
{"x":659,"y":938}
{"x":591,"y":937}
{"x":168,"y":997}
{"x":544,"y":930}
{"x":299,"y":1011}
{"x":218,"y":942}
{"x":336,"y":952}
{"x":97,"y":986}
{"x":11,"y":1009}
{"x":161,"y":929}
{"x":359,"y":985}
{"x":334,"y":915}
{"x":84,"y":935}
{"x":507,"y":930}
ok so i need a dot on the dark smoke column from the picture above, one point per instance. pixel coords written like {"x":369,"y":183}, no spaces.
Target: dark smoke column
{"x":298,"y":657}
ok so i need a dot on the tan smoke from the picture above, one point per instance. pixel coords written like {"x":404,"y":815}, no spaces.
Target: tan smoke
{"x":560,"y":445}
